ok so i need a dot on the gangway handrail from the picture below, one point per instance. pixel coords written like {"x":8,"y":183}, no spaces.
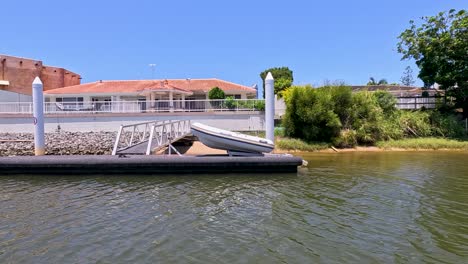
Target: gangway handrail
{"x":164,"y":132}
{"x":129,"y":140}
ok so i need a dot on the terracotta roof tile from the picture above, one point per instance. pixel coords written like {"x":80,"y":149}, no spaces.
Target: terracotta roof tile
{"x":183,"y":85}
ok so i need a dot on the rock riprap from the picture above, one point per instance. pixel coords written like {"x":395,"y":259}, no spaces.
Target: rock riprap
{"x":63,"y":143}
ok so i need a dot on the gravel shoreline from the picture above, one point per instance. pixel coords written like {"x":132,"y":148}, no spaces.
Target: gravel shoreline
{"x":63,"y":143}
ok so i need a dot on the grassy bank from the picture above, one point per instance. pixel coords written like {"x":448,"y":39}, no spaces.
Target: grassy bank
{"x":284,"y":143}
{"x":299,"y":145}
{"x":429,"y":143}
{"x":424,"y":143}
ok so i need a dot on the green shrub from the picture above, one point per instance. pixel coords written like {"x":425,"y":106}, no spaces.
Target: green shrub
{"x":342,"y":97}
{"x":446,"y":125}
{"x":244,"y":104}
{"x":279,"y":131}
{"x":366,"y":116}
{"x":259,"y":105}
{"x":390,"y":128}
{"x":310,"y":114}
{"x":216,"y":93}
{"x":386,"y":101}
{"x":230,"y":102}
{"x":415,"y":123}
{"x":335,"y":114}
{"x":346,"y":139}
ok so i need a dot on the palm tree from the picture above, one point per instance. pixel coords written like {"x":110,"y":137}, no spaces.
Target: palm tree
{"x":373,"y":82}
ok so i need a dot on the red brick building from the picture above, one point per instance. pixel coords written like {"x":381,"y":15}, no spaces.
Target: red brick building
{"x":17,"y":75}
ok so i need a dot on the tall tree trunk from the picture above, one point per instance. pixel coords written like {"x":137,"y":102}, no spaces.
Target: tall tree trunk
{"x":465,"y":107}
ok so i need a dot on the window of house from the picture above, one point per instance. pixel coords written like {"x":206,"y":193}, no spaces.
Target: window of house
{"x":70,"y":101}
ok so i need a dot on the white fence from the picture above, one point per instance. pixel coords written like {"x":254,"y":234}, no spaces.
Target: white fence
{"x":179,"y":106}
{"x":418,"y":102}
{"x":138,"y":106}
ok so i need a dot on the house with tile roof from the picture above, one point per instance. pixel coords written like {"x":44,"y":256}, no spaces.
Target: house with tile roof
{"x":148,"y":94}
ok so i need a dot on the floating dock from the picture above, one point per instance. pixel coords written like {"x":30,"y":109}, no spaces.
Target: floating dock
{"x":146,"y":165}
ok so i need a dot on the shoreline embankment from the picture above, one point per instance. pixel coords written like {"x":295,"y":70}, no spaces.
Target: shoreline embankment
{"x":60,"y":143}
{"x":101,"y":143}
{"x":366,"y":149}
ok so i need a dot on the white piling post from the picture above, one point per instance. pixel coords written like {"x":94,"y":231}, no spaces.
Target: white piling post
{"x":38,"y":115}
{"x":270,"y":107}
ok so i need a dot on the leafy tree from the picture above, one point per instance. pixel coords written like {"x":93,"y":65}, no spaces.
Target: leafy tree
{"x":373,"y":82}
{"x":366,"y":116}
{"x":283,"y":79}
{"x":386,"y":101}
{"x":216,"y":93}
{"x":316,"y":114}
{"x":407,"y":78}
{"x":440,"y":48}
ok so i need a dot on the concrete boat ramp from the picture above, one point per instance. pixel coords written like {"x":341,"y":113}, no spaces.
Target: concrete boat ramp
{"x":146,"y":165}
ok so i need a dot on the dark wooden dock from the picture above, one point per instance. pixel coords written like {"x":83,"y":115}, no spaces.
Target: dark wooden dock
{"x":146,"y":165}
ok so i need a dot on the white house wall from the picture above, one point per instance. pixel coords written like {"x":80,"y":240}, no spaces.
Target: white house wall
{"x":11,"y":97}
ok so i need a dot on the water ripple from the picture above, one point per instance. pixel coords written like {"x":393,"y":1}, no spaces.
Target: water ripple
{"x":386,"y":207}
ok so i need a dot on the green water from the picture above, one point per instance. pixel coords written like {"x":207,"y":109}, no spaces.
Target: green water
{"x":344,"y":208}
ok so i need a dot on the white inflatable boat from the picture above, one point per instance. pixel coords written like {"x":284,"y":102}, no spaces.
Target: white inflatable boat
{"x":234,"y":143}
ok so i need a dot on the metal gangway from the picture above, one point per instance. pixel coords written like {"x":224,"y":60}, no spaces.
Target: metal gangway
{"x":143,"y":138}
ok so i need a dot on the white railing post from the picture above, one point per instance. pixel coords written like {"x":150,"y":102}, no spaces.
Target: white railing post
{"x":116,"y":144}
{"x":150,"y":141}
{"x":270,"y":107}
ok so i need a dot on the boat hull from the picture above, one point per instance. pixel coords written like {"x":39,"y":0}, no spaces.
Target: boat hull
{"x":226,"y":140}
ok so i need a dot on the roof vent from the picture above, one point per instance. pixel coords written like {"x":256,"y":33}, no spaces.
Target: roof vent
{"x":100,"y":81}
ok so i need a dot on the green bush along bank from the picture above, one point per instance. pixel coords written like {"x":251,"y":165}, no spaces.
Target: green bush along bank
{"x":336,"y":115}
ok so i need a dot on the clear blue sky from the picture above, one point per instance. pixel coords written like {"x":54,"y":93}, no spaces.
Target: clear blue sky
{"x":231,"y":40}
